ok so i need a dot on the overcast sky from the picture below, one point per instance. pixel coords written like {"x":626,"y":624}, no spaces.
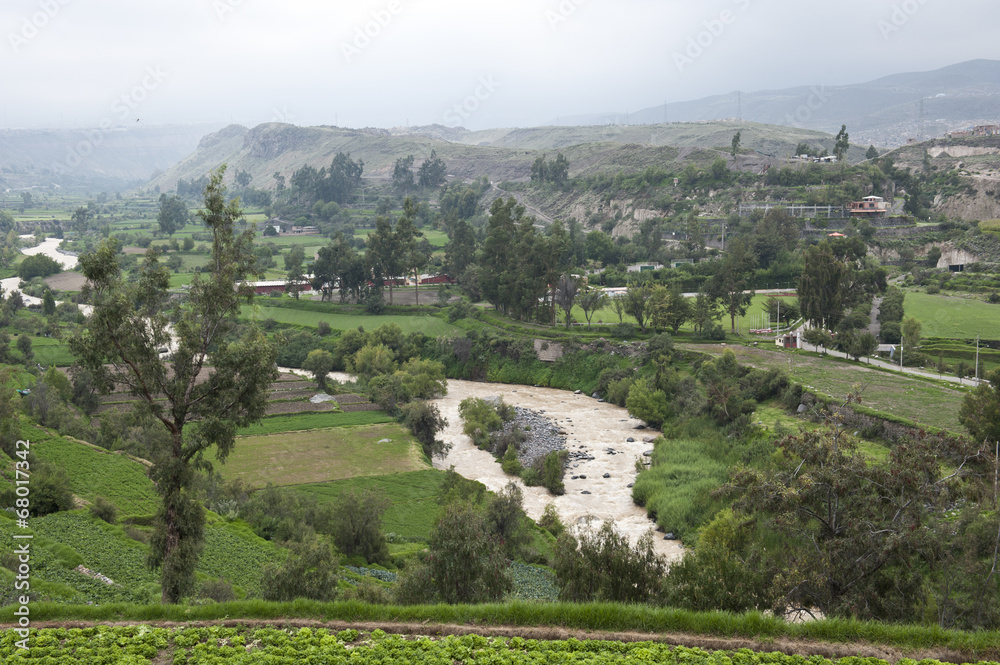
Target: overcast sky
{"x":505,"y":63}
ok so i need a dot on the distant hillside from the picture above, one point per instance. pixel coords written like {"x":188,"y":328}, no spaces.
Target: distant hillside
{"x":884,"y":112}
{"x":93,"y":159}
{"x":502,"y":154}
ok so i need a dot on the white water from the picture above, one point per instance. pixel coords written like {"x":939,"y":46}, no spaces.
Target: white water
{"x":50,"y":248}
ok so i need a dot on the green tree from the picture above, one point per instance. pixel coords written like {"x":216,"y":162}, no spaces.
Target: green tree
{"x":821,"y":292}
{"x":732,"y":283}
{"x":357,"y":524}
{"x":461,"y":249}
{"x":603,"y":566}
{"x":173,"y":215}
{"x":402,"y":174}
{"x":466,"y":561}
{"x":872,"y":152}
{"x":24,"y":346}
{"x":383,"y":257}
{"x":309,"y":571}
{"x":636,"y":301}
{"x":432,"y":172}
{"x":558,"y":170}
{"x":48,"y":303}
{"x":736,"y":144}
{"x":841,"y":144}
{"x":37,"y":265}
{"x":319,"y":362}
{"x":911,"y":334}
{"x":591,"y":302}
{"x":425,"y":421}
{"x":857,"y":533}
{"x":980,"y":410}
{"x":119,"y":347}
{"x":565,"y":296}
{"x":496,"y":255}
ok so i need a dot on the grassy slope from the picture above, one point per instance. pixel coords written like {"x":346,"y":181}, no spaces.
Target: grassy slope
{"x":413,"y":495}
{"x":912,"y":398}
{"x":314,"y":456}
{"x":429,"y":325}
{"x":96,"y":472}
{"x":947,"y":316}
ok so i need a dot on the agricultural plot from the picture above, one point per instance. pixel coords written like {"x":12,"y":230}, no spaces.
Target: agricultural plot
{"x":428,"y":325}
{"x":412,"y":495}
{"x":97,"y":472}
{"x":907,"y":397}
{"x":317,"y":456}
{"x":955,"y":318}
{"x":214,"y":645}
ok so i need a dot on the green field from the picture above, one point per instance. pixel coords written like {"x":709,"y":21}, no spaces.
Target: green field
{"x":428,"y":325}
{"x":413,"y":498}
{"x":957,"y":318}
{"x":315,"y":420}
{"x":96,"y":472}
{"x":321,"y":455}
{"x":912,"y":398}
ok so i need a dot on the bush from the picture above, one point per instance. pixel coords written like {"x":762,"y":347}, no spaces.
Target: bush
{"x":550,"y":521}
{"x":310,"y":571}
{"x":104,"y":510}
{"x":552,"y":472}
{"x":221,"y":591}
{"x":357,"y":525}
{"x":368,"y":591}
{"x":603,"y":566}
{"x":624,"y":331}
{"x":466,"y":562}
{"x":415,"y":586}
{"x":50,"y":491}
{"x":424,"y":421}
{"x":38,"y":265}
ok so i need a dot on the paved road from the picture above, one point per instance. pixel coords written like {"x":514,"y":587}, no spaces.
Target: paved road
{"x":906,"y":370}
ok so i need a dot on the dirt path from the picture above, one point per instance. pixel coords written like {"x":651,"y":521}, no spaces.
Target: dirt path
{"x":595,"y":426}
{"x":784,"y":645}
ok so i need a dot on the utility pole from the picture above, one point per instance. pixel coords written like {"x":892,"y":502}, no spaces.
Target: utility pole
{"x":977,"y":360}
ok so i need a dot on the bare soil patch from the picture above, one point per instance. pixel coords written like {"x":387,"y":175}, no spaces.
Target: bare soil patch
{"x":66,"y":281}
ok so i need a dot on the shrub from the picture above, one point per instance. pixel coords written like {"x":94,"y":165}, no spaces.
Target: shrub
{"x":38,"y":265}
{"x":310,"y":571}
{"x":552,"y":471}
{"x":550,"y":521}
{"x":466,"y":562}
{"x":603,"y":566}
{"x":357,"y":525}
{"x":368,"y":591}
{"x":424,"y":421}
{"x":221,"y":591}
{"x":415,"y":586}
{"x":104,"y":510}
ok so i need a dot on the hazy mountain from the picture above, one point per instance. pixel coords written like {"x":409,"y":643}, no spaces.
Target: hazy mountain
{"x":500,"y":154}
{"x":883,"y":112}
{"x":109,"y":158}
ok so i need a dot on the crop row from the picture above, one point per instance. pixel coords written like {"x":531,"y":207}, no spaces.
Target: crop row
{"x":219,"y":645}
